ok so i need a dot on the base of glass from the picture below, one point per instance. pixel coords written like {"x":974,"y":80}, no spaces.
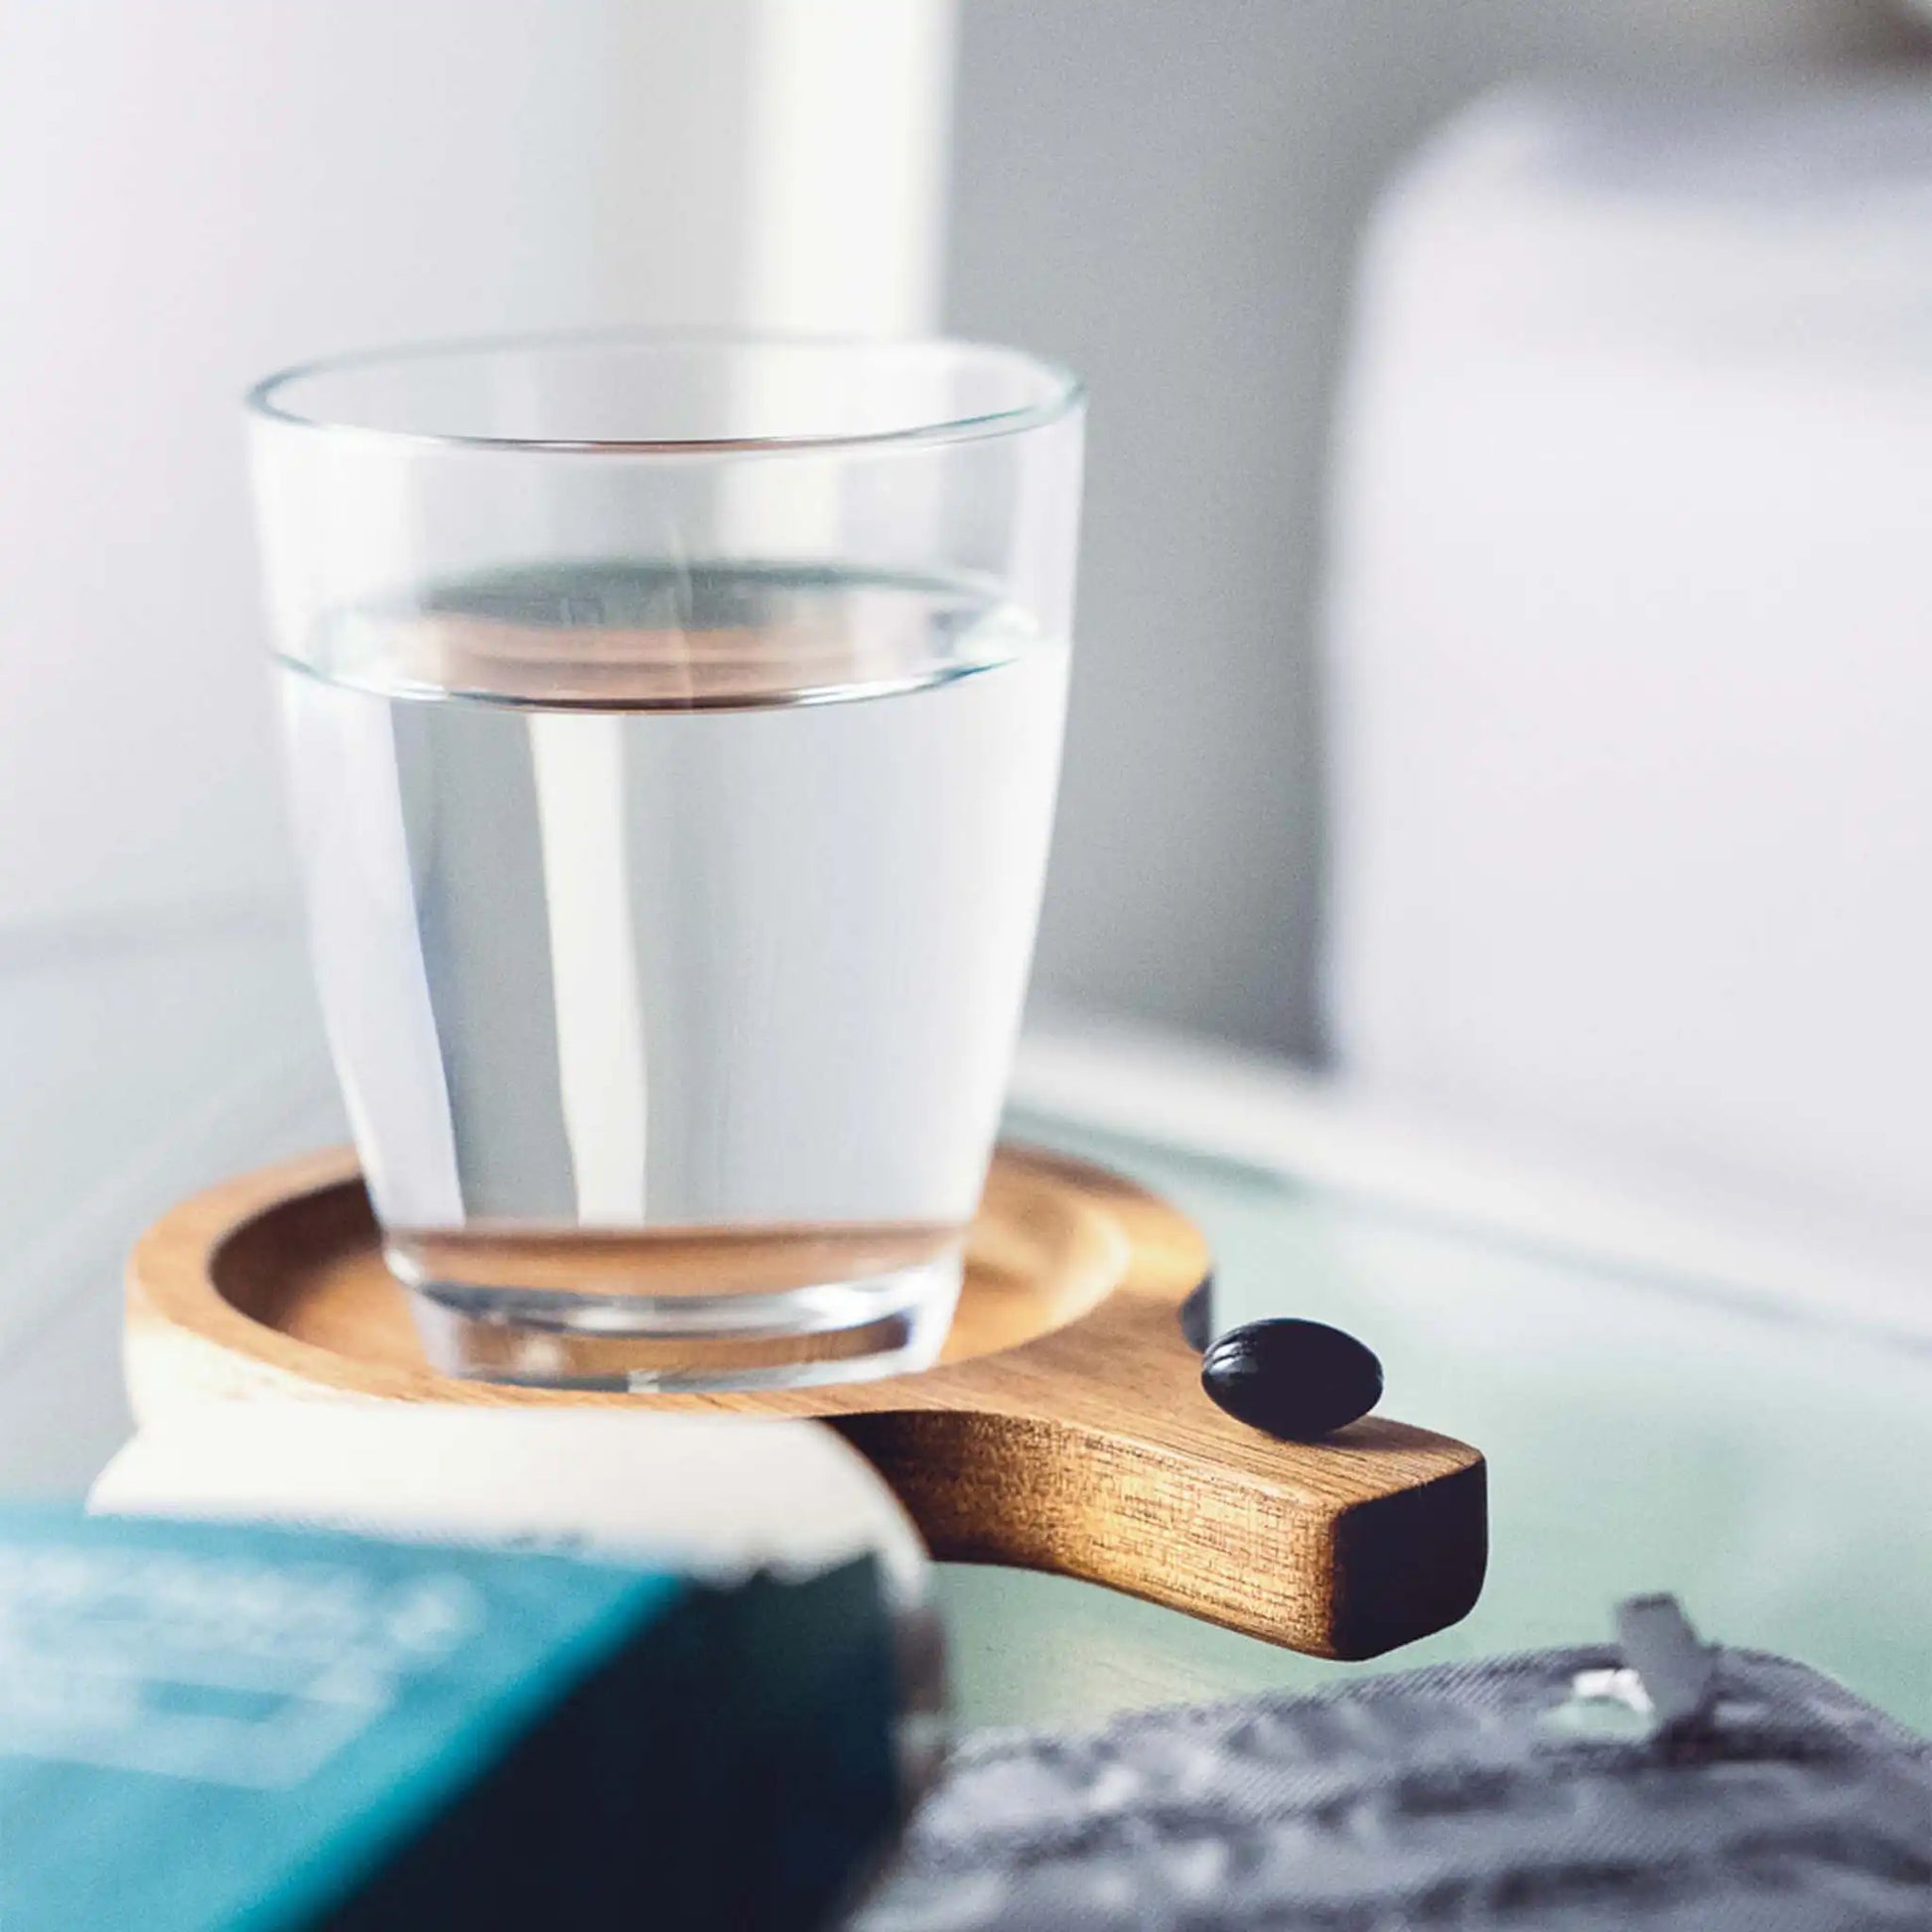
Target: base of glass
{"x":855,"y":1330}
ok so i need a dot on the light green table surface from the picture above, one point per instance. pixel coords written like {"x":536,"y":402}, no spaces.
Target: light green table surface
{"x":1772,"y":1468}
{"x":1643,"y":1432}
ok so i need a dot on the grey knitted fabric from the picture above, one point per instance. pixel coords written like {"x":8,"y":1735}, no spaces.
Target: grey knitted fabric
{"x":1455,"y":1797}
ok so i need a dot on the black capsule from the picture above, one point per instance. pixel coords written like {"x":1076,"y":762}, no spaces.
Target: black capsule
{"x":1291,"y":1378}
{"x":1198,"y":1316}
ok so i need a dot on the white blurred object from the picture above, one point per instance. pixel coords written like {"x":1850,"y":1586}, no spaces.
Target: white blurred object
{"x":1630,"y":649}
{"x":723,"y":1495}
{"x":197,"y":193}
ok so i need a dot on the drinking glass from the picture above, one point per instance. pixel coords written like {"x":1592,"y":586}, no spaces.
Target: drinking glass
{"x":674,"y":727}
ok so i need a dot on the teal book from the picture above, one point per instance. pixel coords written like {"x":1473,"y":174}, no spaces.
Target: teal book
{"x":232,"y":1728}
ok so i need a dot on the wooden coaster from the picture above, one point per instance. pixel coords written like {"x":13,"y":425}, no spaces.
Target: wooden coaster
{"x":1063,"y":1430}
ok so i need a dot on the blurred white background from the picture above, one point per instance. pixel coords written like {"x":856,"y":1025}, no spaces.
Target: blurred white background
{"x":1169,"y":195}
{"x":1166,"y":193}
{"x":194,"y":193}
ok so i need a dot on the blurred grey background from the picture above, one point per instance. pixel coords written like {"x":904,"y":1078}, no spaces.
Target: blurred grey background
{"x":1168,"y":193}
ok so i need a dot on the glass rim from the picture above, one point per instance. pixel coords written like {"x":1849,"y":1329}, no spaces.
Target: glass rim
{"x":1064,"y":394}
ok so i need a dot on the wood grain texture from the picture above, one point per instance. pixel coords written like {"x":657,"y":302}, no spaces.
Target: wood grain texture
{"x":1063,"y":1430}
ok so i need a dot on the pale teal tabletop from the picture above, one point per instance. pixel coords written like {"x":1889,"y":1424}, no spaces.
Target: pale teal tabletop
{"x":1771,"y":1467}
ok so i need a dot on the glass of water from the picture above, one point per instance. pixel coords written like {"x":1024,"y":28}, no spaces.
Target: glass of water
{"x":673,"y":728}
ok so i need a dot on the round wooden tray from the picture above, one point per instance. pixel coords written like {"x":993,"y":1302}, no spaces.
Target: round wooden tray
{"x":1065,"y":1427}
